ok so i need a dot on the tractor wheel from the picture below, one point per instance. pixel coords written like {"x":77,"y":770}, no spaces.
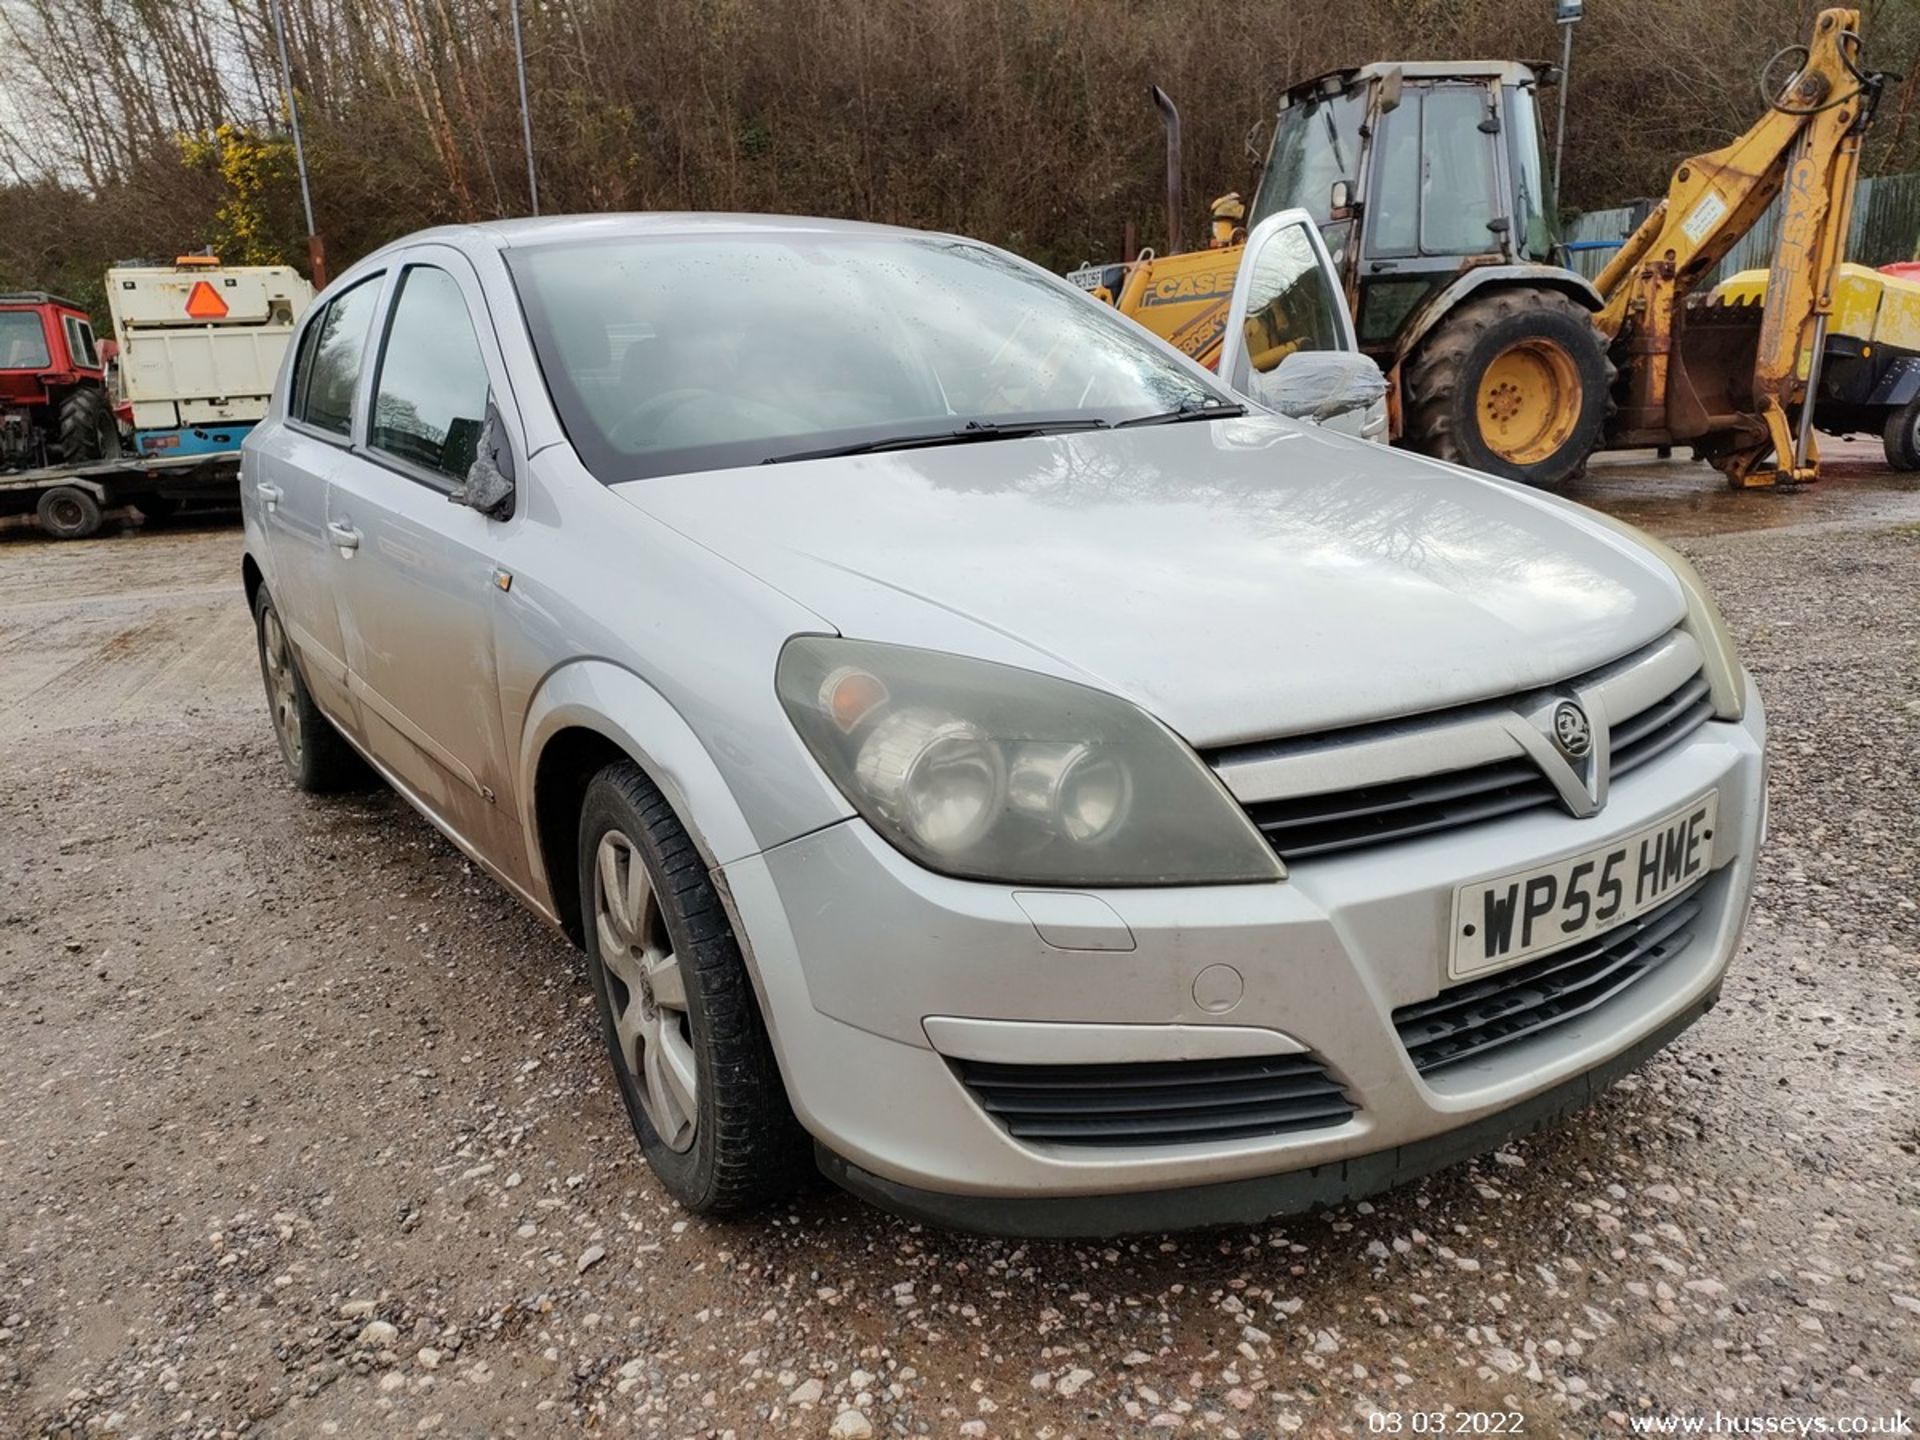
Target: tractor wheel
{"x":1902,"y":436}
{"x":88,"y":430}
{"x":1515,"y":383}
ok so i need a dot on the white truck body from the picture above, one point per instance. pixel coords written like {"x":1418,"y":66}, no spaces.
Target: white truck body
{"x":200,"y":344}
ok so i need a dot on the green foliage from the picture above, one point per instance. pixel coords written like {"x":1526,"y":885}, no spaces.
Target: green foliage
{"x":251,"y":170}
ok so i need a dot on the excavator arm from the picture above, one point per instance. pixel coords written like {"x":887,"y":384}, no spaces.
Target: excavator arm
{"x":1731,"y":380}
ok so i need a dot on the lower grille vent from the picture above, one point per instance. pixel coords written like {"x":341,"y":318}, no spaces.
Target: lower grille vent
{"x":1158,"y":1102}
{"x":1476,"y":1016}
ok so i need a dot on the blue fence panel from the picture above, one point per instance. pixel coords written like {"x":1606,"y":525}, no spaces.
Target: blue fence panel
{"x":1886,"y":227}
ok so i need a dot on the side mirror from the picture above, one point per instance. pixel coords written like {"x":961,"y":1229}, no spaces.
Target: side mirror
{"x":1390,"y":87}
{"x":1340,"y":200}
{"x":1319,"y":385}
{"x":489,"y":486}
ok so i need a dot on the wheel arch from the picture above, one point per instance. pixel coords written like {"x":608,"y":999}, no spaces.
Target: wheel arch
{"x":585,"y":716}
{"x":1476,"y":280}
{"x":252,"y":579}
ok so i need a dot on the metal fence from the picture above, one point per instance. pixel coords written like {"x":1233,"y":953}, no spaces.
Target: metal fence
{"x":1886,"y":227}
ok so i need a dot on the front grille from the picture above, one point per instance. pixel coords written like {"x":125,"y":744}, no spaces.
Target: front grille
{"x":1299,"y":821}
{"x":1660,"y":726}
{"x":1162,"y":1102}
{"x":1477,"y":1016}
{"x":1343,"y":819}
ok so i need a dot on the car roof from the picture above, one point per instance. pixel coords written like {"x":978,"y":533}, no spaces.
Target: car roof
{"x":548,"y":229}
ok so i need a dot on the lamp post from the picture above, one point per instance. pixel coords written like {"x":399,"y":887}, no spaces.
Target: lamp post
{"x":1566,"y":14}
{"x":526,"y":115}
{"x":316,"y":247}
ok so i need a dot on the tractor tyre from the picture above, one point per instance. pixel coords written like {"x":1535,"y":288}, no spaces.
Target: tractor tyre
{"x":88,"y":430}
{"x":68,"y":513}
{"x":1516,"y":383}
{"x":1902,"y":436}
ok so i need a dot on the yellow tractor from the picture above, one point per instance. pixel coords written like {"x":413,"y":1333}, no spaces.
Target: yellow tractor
{"x":1427,"y":182}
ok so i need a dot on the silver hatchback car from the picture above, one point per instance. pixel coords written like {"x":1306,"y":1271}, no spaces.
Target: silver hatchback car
{"x":979,"y":754}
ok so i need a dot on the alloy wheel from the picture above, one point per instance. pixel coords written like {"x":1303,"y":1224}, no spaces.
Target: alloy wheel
{"x":282,"y":694}
{"x":646,"y":990}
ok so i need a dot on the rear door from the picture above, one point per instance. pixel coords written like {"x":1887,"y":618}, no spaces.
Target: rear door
{"x":293,"y":464}
{"x":419,"y":581}
{"x":1286,"y":299}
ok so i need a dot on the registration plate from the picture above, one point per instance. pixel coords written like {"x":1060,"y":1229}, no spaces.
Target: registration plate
{"x":1500,"y":922}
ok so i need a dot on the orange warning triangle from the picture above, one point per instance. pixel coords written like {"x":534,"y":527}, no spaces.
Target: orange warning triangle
{"x":204,"y":302}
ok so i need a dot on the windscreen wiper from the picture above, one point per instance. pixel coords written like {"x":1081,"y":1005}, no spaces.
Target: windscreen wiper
{"x":1205,"y":410}
{"x":968,"y":433}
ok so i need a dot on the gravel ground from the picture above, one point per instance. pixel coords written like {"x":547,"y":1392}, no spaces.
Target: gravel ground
{"x":308,"y":1131}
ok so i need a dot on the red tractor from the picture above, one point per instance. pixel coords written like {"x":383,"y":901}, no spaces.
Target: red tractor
{"x":54,"y":407}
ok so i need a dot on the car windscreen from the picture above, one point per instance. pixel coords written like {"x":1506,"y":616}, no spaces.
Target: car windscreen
{"x":23,"y":341}
{"x":666,"y":355}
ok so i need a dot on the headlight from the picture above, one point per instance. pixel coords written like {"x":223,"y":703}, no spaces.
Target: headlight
{"x":995,"y":773}
{"x":1704,"y":622}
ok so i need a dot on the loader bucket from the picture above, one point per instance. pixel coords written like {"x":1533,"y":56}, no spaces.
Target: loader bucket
{"x":1710,"y":399}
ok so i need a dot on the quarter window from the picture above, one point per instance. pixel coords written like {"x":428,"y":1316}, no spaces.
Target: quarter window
{"x":431,"y":396}
{"x":333,"y":368}
{"x":303,"y":366}
{"x":80,"y":343}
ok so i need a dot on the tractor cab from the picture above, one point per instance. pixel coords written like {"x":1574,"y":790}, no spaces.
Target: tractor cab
{"x":1428,"y":182}
{"x":53,"y":401}
{"x":1415,"y":171}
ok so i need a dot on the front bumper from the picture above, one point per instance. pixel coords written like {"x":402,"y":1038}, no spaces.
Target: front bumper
{"x":855,"y":950}
{"x":1241,"y":1202}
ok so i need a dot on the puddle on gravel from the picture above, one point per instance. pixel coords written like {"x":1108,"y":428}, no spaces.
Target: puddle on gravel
{"x":1682,"y":497}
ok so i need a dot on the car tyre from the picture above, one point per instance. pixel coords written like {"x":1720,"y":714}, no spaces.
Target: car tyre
{"x":689,"y":1048}
{"x":319,"y":760}
{"x":1902,"y":437}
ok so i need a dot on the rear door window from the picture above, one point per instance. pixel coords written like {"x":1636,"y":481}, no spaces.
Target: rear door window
{"x":333,"y":371}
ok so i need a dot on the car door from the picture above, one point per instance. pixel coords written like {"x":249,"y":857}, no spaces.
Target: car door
{"x":1286,"y":299}
{"x":416,"y":574}
{"x":294,"y":463}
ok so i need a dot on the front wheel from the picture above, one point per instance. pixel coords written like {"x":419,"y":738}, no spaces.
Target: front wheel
{"x":689,"y":1050}
{"x":1515,"y":383}
{"x":1902,"y":436}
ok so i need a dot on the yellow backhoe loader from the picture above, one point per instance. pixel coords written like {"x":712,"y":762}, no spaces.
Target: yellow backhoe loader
{"x":1427,"y":183}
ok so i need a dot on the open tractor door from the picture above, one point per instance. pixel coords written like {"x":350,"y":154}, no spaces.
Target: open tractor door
{"x":1427,"y":182}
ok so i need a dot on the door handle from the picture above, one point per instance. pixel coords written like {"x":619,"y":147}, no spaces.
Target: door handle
{"x":343,"y":535}
{"x":271,"y":494}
